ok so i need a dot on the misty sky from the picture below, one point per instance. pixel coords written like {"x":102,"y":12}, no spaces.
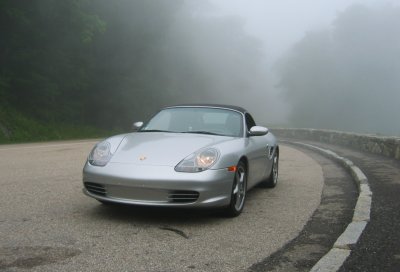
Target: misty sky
{"x":282,"y":23}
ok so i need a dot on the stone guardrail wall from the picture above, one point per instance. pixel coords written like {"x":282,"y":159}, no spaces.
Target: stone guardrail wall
{"x":386,"y":146}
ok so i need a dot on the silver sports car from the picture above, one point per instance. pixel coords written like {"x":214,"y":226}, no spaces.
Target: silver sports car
{"x":185,"y":156}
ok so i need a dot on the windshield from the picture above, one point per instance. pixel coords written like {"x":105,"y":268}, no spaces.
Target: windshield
{"x":197,"y":120}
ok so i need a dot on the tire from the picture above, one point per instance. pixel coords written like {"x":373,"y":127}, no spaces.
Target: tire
{"x":272,"y":180}
{"x":238,"y":194}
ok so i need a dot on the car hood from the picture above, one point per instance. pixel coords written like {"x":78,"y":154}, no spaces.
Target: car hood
{"x":163,"y":149}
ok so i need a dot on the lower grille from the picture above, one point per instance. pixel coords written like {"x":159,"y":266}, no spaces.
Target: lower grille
{"x":95,"y":188}
{"x":183,"y":196}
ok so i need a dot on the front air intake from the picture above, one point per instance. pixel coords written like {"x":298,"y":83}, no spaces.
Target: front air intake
{"x":183,"y":196}
{"x":95,"y":188}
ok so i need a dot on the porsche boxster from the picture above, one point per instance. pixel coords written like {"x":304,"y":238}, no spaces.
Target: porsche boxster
{"x":185,"y":156}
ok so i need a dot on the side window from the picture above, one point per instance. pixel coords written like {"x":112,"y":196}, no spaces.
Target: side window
{"x":249,"y":121}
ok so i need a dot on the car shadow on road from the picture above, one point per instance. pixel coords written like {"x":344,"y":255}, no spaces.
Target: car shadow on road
{"x":155,"y":215}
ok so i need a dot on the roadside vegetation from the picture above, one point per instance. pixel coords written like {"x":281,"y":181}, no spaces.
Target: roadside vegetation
{"x":84,"y":68}
{"x":17,"y":128}
{"x":79,"y":68}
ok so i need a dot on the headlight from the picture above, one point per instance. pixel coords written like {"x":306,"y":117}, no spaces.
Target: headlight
{"x":198,"y":161}
{"x":101,"y":154}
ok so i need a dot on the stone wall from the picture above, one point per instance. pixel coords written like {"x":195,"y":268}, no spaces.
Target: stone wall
{"x":386,"y":146}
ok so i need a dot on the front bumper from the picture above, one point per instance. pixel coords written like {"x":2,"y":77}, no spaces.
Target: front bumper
{"x":157,"y":185}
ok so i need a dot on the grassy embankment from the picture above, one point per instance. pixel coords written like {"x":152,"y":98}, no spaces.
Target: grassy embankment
{"x":18,"y":128}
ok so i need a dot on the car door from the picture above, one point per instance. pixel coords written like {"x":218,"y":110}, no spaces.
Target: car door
{"x":257,"y":154}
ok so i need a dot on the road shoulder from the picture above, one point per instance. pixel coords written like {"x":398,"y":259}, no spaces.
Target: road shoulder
{"x":328,"y":222}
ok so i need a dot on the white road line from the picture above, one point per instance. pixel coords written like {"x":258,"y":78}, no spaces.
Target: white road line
{"x":335,"y":258}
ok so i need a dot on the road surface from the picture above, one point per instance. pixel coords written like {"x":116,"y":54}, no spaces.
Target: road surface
{"x":47,"y":224}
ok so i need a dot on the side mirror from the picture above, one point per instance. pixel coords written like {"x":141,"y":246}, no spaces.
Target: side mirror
{"x":258,"y":131}
{"x":137,"y":125}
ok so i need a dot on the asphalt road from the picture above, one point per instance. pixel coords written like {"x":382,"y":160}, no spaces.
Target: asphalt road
{"x":47,"y":224}
{"x":379,"y":246}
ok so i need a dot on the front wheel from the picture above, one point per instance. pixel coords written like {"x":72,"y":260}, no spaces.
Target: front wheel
{"x":238,"y":194}
{"x":272,"y":180}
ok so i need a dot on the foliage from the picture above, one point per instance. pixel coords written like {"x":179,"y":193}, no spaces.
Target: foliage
{"x":107,"y":63}
{"x":43,"y":45}
{"x":15,"y":127}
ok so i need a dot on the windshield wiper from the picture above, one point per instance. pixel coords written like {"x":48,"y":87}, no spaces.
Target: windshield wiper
{"x":154,"y":130}
{"x":203,"y":132}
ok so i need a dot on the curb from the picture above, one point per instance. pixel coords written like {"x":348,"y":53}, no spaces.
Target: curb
{"x":334,"y":259}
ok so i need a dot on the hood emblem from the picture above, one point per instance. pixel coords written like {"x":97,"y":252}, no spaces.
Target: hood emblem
{"x":142,"y":158}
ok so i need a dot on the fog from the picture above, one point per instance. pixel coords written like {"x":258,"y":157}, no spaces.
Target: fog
{"x":316,"y":64}
{"x":330,"y":64}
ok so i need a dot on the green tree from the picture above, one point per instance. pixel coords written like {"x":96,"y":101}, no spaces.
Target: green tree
{"x":107,"y":63}
{"x":43,"y":50}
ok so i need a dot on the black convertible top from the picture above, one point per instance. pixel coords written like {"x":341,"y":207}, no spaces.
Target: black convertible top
{"x":236,"y":108}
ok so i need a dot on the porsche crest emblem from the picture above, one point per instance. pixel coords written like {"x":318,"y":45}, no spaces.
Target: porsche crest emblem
{"x":142,"y":158}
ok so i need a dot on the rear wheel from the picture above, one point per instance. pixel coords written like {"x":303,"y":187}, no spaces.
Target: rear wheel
{"x":238,"y":194}
{"x":272,"y":180}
